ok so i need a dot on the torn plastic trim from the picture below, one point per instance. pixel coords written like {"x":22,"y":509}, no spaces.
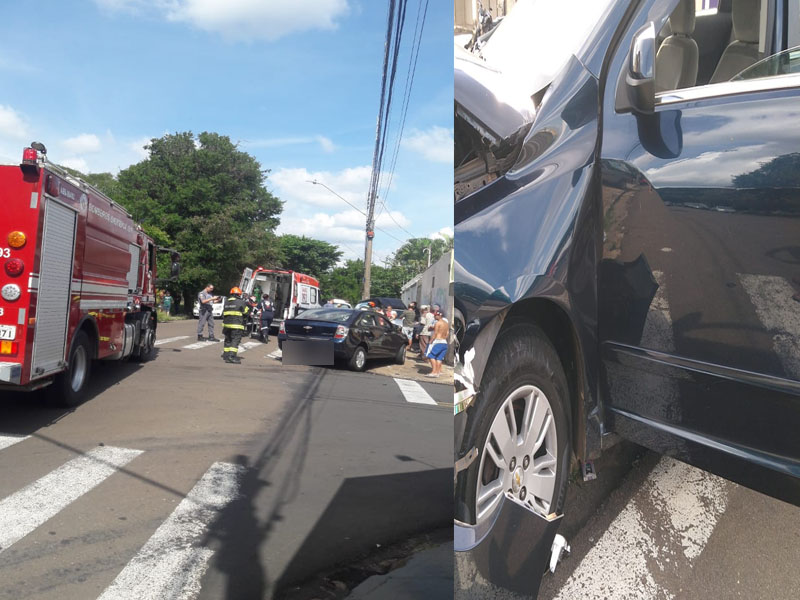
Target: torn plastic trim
{"x":511,"y":551}
{"x":465,"y":376}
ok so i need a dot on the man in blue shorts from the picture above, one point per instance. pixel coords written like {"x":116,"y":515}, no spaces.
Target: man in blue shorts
{"x":437,"y":349}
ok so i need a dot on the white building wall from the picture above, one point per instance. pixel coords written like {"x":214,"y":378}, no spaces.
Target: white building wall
{"x":433,"y":286}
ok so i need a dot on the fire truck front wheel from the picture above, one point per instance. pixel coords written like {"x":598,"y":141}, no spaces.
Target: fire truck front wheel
{"x":69,"y":386}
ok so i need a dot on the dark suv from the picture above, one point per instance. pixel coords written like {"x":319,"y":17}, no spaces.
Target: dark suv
{"x":627,"y":209}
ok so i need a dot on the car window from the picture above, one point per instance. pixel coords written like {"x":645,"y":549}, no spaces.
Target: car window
{"x":327,"y":314}
{"x":783,"y":63}
{"x":382,"y":322}
{"x":367,"y":321}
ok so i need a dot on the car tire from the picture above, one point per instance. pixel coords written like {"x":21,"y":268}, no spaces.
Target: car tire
{"x":69,"y":387}
{"x":524,"y":382}
{"x":400,"y":357}
{"x":358,"y":362}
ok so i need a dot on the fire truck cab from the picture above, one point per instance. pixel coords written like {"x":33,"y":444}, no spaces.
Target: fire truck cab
{"x":291,"y":292}
{"x":76,"y":283}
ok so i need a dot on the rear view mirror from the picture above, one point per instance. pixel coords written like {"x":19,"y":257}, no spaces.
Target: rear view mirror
{"x":638,"y":90}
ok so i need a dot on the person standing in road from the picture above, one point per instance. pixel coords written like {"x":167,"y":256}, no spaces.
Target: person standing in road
{"x":408,"y":324}
{"x":234,"y":316}
{"x":267,"y":314}
{"x":166,"y":303}
{"x":206,"y":313}
{"x":437,"y":349}
{"x":428,"y":321}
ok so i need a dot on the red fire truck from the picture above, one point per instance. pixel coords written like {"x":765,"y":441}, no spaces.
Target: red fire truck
{"x":77,"y":281}
{"x":291,"y":292}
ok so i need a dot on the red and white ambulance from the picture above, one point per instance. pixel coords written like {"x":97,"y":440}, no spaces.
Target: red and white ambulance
{"x":76,"y":282}
{"x":291,"y":292}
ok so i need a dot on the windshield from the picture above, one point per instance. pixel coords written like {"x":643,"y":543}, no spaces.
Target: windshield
{"x":336,"y":315}
{"x":538,"y":36}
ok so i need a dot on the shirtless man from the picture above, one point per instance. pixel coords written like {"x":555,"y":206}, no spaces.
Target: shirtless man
{"x":438,"y":347}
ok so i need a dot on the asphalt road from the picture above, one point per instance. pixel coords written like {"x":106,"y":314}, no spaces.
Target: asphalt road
{"x":674,"y":531}
{"x":186,"y":477}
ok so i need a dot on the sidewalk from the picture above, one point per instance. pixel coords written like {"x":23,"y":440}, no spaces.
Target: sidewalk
{"x":412,"y":369}
{"x":427,"y":575}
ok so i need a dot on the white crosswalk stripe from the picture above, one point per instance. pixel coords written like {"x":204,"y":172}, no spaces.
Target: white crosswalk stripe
{"x":172,"y":339}
{"x":198,"y":345}
{"x":9,"y":440}
{"x":414,"y":392}
{"x":27,"y":509}
{"x":172,"y":562}
{"x":248,"y":345}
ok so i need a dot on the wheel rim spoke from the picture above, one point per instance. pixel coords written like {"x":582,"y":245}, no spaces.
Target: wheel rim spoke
{"x":541,"y":486}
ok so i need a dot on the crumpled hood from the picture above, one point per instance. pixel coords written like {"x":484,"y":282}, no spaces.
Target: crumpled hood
{"x":491,"y":101}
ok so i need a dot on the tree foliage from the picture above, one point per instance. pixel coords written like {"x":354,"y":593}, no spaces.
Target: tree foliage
{"x":204,"y":197}
{"x":413,"y":255}
{"x":307,"y":255}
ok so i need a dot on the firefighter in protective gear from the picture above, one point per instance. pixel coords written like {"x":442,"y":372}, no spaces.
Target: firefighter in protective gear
{"x":234,"y":315}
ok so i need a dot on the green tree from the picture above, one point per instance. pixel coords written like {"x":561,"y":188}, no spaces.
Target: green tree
{"x":204,"y":197}
{"x":343,"y":282}
{"x":307,"y":255}
{"x":413,"y":255}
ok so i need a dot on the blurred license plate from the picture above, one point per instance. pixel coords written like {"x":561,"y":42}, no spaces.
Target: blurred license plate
{"x":8,"y":332}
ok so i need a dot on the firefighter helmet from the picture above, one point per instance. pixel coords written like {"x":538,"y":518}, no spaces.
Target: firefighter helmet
{"x":235,"y":291}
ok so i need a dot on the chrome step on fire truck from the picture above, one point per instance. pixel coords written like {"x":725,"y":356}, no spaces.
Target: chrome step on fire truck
{"x":76,"y":283}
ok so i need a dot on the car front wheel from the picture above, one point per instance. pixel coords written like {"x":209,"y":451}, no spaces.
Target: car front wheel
{"x":520,"y":426}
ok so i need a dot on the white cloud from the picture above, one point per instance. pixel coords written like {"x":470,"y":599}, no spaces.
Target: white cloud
{"x":12,"y":124}
{"x":242,"y":20}
{"x":80,"y":144}
{"x":75,"y":163}
{"x":292,"y":185}
{"x":325,"y":143}
{"x":435,"y":144}
{"x":137,"y":146}
{"x":448,"y":231}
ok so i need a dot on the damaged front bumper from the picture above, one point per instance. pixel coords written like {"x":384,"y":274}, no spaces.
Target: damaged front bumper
{"x":509,"y":553}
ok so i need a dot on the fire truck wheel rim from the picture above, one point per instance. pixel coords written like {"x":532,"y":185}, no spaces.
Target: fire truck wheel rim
{"x":80,"y":362}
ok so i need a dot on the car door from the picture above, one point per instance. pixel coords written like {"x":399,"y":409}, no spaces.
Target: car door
{"x":698,"y":313}
{"x":383,"y":333}
{"x":368,"y":332}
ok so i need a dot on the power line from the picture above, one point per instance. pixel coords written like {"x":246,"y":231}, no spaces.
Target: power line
{"x":315,"y":182}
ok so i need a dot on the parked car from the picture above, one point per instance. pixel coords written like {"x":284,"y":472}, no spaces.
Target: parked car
{"x":339,"y":303}
{"x":357,"y":336}
{"x":216,"y":308}
{"x":626,"y":233}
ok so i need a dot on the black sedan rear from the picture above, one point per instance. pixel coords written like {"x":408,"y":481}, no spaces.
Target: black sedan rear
{"x":356,"y":335}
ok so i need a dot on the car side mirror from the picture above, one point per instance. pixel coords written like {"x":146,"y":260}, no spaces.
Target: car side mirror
{"x":637,"y":92}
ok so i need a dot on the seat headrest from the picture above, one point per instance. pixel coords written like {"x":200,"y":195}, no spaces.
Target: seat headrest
{"x":746,"y":15}
{"x":681,"y":20}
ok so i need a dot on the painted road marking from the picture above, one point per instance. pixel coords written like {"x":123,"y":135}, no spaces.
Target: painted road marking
{"x":276,"y":354}
{"x":656,"y":538}
{"x":25,"y":510}
{"x":414,"y":392}
{"x":172,"y":562}
{"x":172,"y":339}
{"x":248,"y":345}
{"x":10,"y":440}
{"x":198,"y":345}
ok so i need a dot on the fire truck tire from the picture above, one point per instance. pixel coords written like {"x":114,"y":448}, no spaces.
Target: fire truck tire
{"x":69,"y":387}
{"x":148,"y":341}
{"x":519,"y":423}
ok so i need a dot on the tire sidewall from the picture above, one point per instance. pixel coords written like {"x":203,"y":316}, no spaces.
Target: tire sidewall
{"x":400,"y":358}
{"x":353,"y":363}
{"x":61,"y":392}
{"x":522,"y":356}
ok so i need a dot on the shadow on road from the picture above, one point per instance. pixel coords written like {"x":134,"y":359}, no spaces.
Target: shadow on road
{"x":239,"y":531}
{"x":24,"y":413}
{"x":368,"y":510}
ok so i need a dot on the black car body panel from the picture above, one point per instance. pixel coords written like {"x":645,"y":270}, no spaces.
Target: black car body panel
{"x":667,"y":244}
{"x":369,"y":329}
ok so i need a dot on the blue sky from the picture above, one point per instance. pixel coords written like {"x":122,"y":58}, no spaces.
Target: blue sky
{"x":296,"y":83}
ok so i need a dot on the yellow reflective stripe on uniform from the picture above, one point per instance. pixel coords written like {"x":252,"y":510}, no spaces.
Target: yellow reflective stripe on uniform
{"x":229,"y":326}
{"x":230,"y":349}
{"x":232,"y":313}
